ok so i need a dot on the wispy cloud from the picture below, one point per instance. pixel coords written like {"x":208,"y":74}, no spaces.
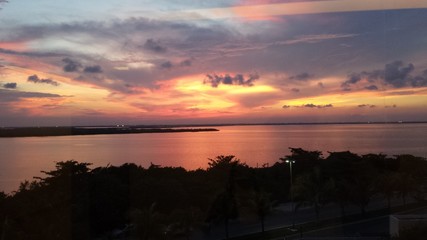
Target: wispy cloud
{"x":13,"y":95}
{"x":316,"y":38}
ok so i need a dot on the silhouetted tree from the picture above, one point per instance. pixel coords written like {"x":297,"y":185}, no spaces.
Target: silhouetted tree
{"x":224,"y":207}
{"x":184,"y":221}
{"x":341,"y":193}
{"x":3,"y":217}
{"x":314,"y":189}
{"x":387,"y":186}
{"x":224,"y":163}
{"x":75,"y":202}
{"x":405,"y":184}
{"x":261,"y":202}
{"x":304,"y":159}
{"x":363,"y":185}
{"x":147,"y":222}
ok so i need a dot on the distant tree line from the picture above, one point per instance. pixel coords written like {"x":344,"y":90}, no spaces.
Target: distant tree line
{"x":74,"y":201}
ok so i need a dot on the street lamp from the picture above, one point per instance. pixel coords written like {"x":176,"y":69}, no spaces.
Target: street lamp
{"x":291,"y":162}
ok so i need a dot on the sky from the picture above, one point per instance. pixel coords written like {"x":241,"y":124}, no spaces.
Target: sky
{"x":211,"y":62}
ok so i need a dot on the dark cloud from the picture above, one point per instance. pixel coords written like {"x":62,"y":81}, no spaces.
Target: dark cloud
{"x":11,"y":85}
{"x":420,"y":80}
{"x":366,"y":106}
{"x":321,"y":85}
{"x":154,"y":46}
{"x":206,"y":42}
{"x":371,"y":87}
{"x":185,"y":63}
{"x":93,"y":69}
{"x":301,"y":77}
{"x":214,"y":80}
{"x":311,"y":105}
{"x":286,"y":106}
{"x":71,"y":65}
{"x":166,"y":65}
{"x":35,"y":79}
{"x":169,"y":64}
{"x":395,"y":74}
{"x":354,"y":78}
{"x":391,"y":106}
{"x":295,"y":90}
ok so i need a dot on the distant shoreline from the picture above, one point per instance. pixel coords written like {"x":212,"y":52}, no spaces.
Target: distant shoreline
{"x":134,"y":129}
{"x":288,"y":124}
{"x":74,"y":131}
{"x":209,"y":125}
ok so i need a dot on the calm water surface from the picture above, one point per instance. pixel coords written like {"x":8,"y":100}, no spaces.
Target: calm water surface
{"x":23,"y":158}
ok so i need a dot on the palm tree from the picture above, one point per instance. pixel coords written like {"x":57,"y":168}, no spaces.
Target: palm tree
{"x":387,"y":186}
{"x":406,"y":184}
{"x":362,"y":188}
{"x":224,"y":207}
{"x":146,"y":222}
{"x":313,"y":189}
{"x":340,"y":193}
{"x":262,"y":204}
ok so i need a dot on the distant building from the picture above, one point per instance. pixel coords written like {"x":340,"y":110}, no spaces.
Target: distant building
{"x":400,"y":222}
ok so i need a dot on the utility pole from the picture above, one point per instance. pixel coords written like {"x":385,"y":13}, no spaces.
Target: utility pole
{"x":291,"y":162}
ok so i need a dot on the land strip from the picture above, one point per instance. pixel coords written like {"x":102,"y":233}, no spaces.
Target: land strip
{"x":67,"y":131}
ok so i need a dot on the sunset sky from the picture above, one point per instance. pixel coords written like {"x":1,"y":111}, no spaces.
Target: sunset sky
{"x":218,"y":61}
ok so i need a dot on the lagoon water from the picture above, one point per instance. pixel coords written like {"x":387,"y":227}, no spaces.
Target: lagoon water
{"x":23,"y":158}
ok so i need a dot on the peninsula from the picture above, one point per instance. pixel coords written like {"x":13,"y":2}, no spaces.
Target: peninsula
{"x":66,"y":131}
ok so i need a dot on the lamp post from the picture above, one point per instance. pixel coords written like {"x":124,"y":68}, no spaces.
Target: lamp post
{"x":291,"y":162}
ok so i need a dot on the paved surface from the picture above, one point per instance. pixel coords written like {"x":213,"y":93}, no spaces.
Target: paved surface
{"x":283,"y":218}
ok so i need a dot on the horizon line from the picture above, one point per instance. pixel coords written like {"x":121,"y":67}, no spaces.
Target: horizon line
{"x":223,"y":124}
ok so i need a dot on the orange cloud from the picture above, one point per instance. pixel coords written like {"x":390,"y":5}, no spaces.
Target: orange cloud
{"x":16,"y":46}
{"x":265,"y":10}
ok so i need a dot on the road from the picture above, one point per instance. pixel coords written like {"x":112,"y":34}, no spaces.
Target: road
{"x":283,"y":218}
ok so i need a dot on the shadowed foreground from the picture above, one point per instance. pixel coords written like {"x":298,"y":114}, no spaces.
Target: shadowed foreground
{"x":74,"y":201}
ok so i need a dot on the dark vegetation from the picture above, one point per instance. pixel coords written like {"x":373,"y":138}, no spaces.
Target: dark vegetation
{"x":64,"y":131}
{"x":74,"y":201}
